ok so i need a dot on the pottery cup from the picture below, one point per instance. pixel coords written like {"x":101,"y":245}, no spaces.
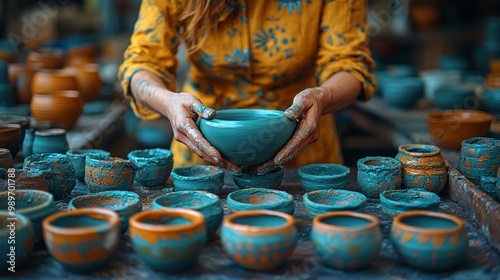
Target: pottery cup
{"x":78,"y":156}
{"x":260,"y":199}
{"x":198,"y":178}
{"x":22,"y":231}
{"x":323,"y":176}
{"x":377,"y":174}
{"x":325,"y":201}
{"x":51,"y":140}
{"x":395,"y":202}
{"x":60,"y":108}
{"x":454,"y":97}
{"x":154,"y":166}
{"x":479,"y":156}
{"x":103,"y":173}
{"x":10,"y":138}
{"x":269,"y":180}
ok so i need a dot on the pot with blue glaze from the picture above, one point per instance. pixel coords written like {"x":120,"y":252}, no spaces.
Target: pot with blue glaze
{"x":325,"y":201}
{"x":479,"y":156}
{"x":206,"y":203}
{"x":168,"y":239}
{"x":24,"y":241}
{"x":260,"y":199}
{"x":77,"y":157}
{"x":346,"y":240}
{"x":377,"y":174}
{"x":198,"y":178}
{"x":50,"y":141}
{"x":270,"y":180}
{"x":322,"y":176}
{"x":259,"y":239}
{"x":27,"y":146}
{"x":154,"y":166}
{"x":104,"y":173}
{"x":395,"y":202}
{"x":489,"y":185}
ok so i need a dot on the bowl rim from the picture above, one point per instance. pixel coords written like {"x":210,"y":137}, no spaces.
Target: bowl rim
{"x":404,"y":149}
{"x":22,"y":221}
{"x":49,"y":201}
{"x":86,"y":152}
{"x":195,"y":217}
{"x":257,"y":230}
{"x":431,"y":198}
{"x":392,"y":163}
{"x":213,"y":199}
{"x":308,"y":202}
{"x":218,"y":171}
{"x":105,"y":194}
{"x":285,"y":198}
{"x":156,"y":153}
{"x":112,"y":221}
{"x":319,"y":225}
{"x":221,"y":123}
{"x":398,"y":222}
{"x":302,"y":170}
{"x":438,"y":116}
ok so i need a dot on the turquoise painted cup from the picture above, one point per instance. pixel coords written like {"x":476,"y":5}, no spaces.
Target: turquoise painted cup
{"x":153,"y":166}
{"x":378,"y":174}
{"x":78,"y":156}
{"x":21,"y":226}
{"x":103,"y":173}
{"x":50,"y":141}
{"x":260,"y":199}
{"x":322,"y":176}
{"x":396,"y":202}
{"x":198,"y":178}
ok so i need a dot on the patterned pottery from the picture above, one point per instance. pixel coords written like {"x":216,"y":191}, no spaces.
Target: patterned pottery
{"x":78,"y":156}
{"x":198,"y":178}
{"x":206,"y":203}
{"x":168,"y":239}
{"x":103,"y":173}
{"x":429,"y":240}
{"x":323,"y":176}
{"x":82,"y":240}
{"x":50,"y":141}
{"x":324,"y":201}
{"x":423,"y":167}
{"x":5,"y":158}
{"x":88,"y":80}
{"x":46,"y":81}
{"x":259,"y":239}
{"x":489,"y":185}
{"x":346,"y":240}
{"x":10,"y":138}
{"x":57,"y":108}
{"x":248,"y":136}
{"x":479,"y":156}
{"x":23,"y":237}
{"x":377,"y":174}
{"x":396,"y":202}
{"x":260,"y":199}
{"x":154,"y":166}
{"x":125,"y":203}
{"x":270,"y":180}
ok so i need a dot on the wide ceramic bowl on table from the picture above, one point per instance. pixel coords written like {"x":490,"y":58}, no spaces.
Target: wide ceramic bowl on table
{"x":325,"y":201}
{"x":260,"y":199}
{"x":321,"y":176}
{"x":395,"y":202}
{"x":198,"y":178}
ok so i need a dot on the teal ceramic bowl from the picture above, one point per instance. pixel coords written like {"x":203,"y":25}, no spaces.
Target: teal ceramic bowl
{"x":103,"y":173}
{"x":125,"y":203}
{"x":77,"y":157}
{"x":324,"y":201}
{"x":377,"y":174}
{"x":403,"y":93}
{"x":454,"y":97}
{"x":35,"y":205}
{"x":24,"y":241}
{"x":323,"y":176}
{"x":260,"y":199}
{"x":248,"y":136}
{"x":396,"y":202}
{"x":269,"y":180}
{"x":153,"y":166}
{"x":206,"y":203}
{"x":198,"y":178}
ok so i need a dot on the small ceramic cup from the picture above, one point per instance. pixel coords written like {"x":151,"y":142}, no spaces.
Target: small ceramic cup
{"x":77,"y":157}
{"x":19,"y":227}
{"x":323,"y":176}
{"x":377,"y":174}
{"x":260,"y":199}
{"x":103,"y":173}
{"x":198,"y":178}
{"x":346,"y":240}
{"x":50,"y":141}
{"x":395,"y":202}
{"x":154,"y":166}
{"x":269,"y":180}
{"x":168,"y":239}
{"x":324,"y":201}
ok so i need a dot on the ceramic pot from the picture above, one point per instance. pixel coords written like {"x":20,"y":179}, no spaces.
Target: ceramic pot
{"x":259,"y":239}
{"x":10,"y":138}
{"x":491,"y":100}
{"x":396,"y":202}
{"x":50,"y":141}
{"x":377,"y":174}
{"x":346,"y":240}
{"x":423,"y":167}
{"x":434,"y":79}
{"x":323,"y":176}
{"x":48,"y":59}
{"x":88,"y":80}
{"x":269,"y":180}
{"x":454,"y":97}
{"x":46,"y":81}
{"x":429,"y":240}
{"x":325,"y":201}
{"x":103,"y":173}
{"x":168,"y":239}
{"x":25,"y":82}
{"x":78,"y":156}
{"x":198,"y":178}
{"x":5,"y":159}
{"x":206,"y":203}
{"x":489,"y":185}
{"x":479,"y":156}
{"x":82,"y":240}
{"x":57,"y":170}
{"x":15,"y":70}
{"x":24,"y":241}
{"x":260,"y":199}
{"x":58,"y":109}
{"x":82,"y":55}
{"x":411,"y":86}
{"x":154,"y":166}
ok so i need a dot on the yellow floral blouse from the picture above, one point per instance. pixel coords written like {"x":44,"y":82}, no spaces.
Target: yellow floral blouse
{"x":260,"y":58}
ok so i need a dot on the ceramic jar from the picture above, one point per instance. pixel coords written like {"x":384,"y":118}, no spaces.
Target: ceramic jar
{"x":50,"y":141}
{"x":57,"y":108}
{"x":46,"y":81}
{"x":10,"y":138}
{"x":346,"y":240}
{"x":5,"y":159}
{"x":103,"y":173}
{"x":78,"y":156}
{"x":378,"y":174}
{"x":423,"y":167}
{"x":23,"y":245}
{"x":154,"y":166}
{"x":479,"y":156}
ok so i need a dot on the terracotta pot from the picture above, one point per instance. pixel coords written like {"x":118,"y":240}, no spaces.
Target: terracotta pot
{"x":50,"y":141}
{"x":10,"y":137}
{"x":45,"y":81}
{"x":88,"y":80}
{"x":82,"y":55}
{"x":59,"y":108}
{"x":479,"y":156}
{"x":48,"y":59}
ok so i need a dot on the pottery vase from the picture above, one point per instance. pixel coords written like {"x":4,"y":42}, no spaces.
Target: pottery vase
{"x":423,"y":167}
{"x":24,"y":242}
{"x":27,"y":146}
{"x":5,"y":159}
{"x":50,"y":141}
{"x":59,"y":109}
{"x":479,"y":156}
{"x":378,"y":174}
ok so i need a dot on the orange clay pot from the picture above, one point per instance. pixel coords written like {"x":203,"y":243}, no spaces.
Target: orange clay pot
{"x":53,"y":80}
{"x":88,"y":80}
{"x":82,"y":55}
{"x":25,"y":81}
{"x":59,"y":108}
{"x":48,"y":59}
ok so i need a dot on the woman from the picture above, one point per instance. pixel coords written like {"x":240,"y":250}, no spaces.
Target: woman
{"x":309,"y":57}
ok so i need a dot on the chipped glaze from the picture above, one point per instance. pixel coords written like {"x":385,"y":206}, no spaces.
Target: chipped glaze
{"x":103,"y":173}
{"x":377,"y":174}
{"x":429,"y":240}
{"x":77,"y":157}
{"x":168,"y":239}
{"x":198,"y":178}
{"x":324,"y":201}
{"x":259,"y":239}
{"x":269,"y":180}
{"x":346,"y":240}
{"x":24,"y":240}
{"x":479,"y":156}
{"x":260,"y":199}
{"x":5,"y":159}
{"x":154,"y":166}
{"x":423,"y":167}
{"x":50,"y":141}
{"x":395,"y":202}
{"x":323,"y":176}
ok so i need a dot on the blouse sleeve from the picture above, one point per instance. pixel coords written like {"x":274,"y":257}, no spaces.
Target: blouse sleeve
{"x":153,"y":46}
{"x":343,"y":43}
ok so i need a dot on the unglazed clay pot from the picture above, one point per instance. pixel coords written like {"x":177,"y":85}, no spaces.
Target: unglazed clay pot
{"x":78,"y":156}
{"x":479,"y":156}
{"x":103,"y":173}
{"x":48,"y":59}
{"x":324,"y":201}
{"x":259,"y":239}
{"x":260,"y":199}
{"x":377,"y":174}
{"x":168,"y":239}
{"x":24,"y":241}
{"x":423,"y":167}
{"x":50,"y":141}
{"x":206,"y":203}
{"x":45,"y":81}
{"x":82,"y":240}
{"x":88,"y":80}
{"x":154,"y":166}
{"x":346,"y":240}
{"x":198,"y":178}
{"x":10,"y":138}
{"x":58,"y":108}
{"x":396,"y":202}
{"x":5,"y":159}
{"x":269,"y":180}
{"x":429,"y":240}
{"x":323,"y":176}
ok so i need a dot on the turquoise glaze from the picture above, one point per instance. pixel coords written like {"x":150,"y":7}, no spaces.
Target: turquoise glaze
{"x":479,"y":156}
{"x":260,"y":199}
{"x":35,"y":205}
{"x":206,"y":203}
{"x":56,"y":169}
{"x":248,"y":136}
{"x":377,"y":174}
{"x":269,"y":180}
{"x":24,"y":240}
{"x":346,"y":240}
{"x":491,"y":100}
{"x":198,"y":178}
{"x":323,"y":176}
{"x":77,"y":157}
{"x":454,"y":97}
{"x":324,"y":201}
{"x":154,"y":166}
{"x":27,"y":146}
{"x":400,"y":201}
{"x":412,"y":87}
{"x":489,"y":185}
{"x":50,"y":141}
{"x":103,"y":173}
{"x":125,"y":203}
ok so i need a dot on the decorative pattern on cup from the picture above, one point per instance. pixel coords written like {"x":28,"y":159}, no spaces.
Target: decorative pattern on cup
{"x":103,"y":173}
{"x":377,"y":174}
{"x":77,"y":157}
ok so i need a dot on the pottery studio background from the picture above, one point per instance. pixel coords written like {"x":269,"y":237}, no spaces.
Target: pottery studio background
{"x":458,"y":39}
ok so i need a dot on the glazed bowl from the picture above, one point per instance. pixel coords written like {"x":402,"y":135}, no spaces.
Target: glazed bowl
{"x":260,"y":199}
{"x":45,"y":81}
{"x":168,"y":239}
{"x":377,"y":174}
{"x":10,"y":138}
{"x":52,"y":140}
{"x":24,"y":241}
{"x":454,"y":97}
{"x":78,"y":156}
{"x":198,"y":178}
{"x":57,"y":108}
{"x":402,"y":93}
{"x":430,"y":241}
{"x":322,"y":176}
{"x":491,"y":100}
{"x":248,"y":136}
{"x":479,"y":156}
{"x":269,"y":180}
{"x":82,"y":240}
{"x":35,"y":205}
{"x":346,"y":240}
{"x":154,"y":166}
{"x":450,"y":128}
{"x":324,"y":201}
{"x":103,"y":173}
{"x":395,"y":202}
{"x":206,"y":203}
{"x":259,"y":239}
{"x":125,"y":203}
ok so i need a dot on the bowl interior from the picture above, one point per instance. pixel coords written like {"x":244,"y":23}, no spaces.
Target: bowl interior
{"x":412,"y":198}
{"x":345,"y":221}
{"x":151,"y":153}
{"x":112,"y":200}
{"x":483,"y":141}
{"x":165,"y":219}
{"x":79,"y":221}
{"x":260,"y":220}
{"x":259,"y":196}
{"x":429,"y":222}
{"x":324,"y":170}
{"x":459,"y":116}
{"x":243,"y":117}
{"x":197,"y":171}
{"x":335,"y":198}
{"x":188,"y":199}
{"x":26,"y":199}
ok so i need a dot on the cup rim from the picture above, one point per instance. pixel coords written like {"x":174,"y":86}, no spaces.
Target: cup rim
{"x":256,"y":230}
{"x":195,"y":217}
{"x":399,"y":223}
{"x":223,"y":123}
{"x":302,"y":171}
{"x":48,"y":200}
{"x":105,"y":194}
{"x":319,"y":224}
{"x":213,"y":199}
{"x":112,"y":220}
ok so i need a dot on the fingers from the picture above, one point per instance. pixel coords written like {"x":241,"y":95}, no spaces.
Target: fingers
{"x":202,"y":111}
{"x":300,"y":105}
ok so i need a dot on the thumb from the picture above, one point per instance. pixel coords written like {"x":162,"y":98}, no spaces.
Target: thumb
{"x":202,"y":111}
{"x":296,"y":110}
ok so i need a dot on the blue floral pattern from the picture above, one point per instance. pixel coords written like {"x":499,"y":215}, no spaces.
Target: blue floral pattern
{"x":291,"y":5}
